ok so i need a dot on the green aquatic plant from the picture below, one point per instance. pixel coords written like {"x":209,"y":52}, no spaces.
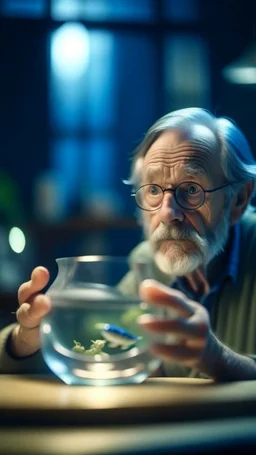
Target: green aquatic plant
{"x":95,"y":348}
{"x":78,"y":347}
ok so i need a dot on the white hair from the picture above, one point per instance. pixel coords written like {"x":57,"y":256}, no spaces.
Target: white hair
{"x":236,"y":159}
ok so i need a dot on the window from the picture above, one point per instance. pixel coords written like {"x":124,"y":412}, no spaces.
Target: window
{"x":187,"y":75}
{"x":104,"y":10}
{"x":24,"y":8}
{"x":114,"y":67}
{"x":181,"y":10}
{"x":93,"y":78}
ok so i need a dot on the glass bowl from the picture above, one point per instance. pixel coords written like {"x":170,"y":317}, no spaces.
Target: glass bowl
{"x":91,"y":336}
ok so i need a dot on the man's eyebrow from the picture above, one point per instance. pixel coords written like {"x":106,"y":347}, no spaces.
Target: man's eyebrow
{"x":195,"y":171}
{"x":151,"y":174}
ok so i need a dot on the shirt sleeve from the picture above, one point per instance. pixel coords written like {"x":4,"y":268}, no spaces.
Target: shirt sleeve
{"x":9,"y":364}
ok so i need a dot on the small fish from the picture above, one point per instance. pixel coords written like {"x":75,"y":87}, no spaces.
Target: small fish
{"x":116,"y":336}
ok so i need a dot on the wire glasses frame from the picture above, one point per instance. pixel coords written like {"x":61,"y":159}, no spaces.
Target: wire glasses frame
{"x":188,"y":195}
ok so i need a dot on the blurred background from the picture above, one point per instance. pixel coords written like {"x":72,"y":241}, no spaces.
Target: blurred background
{"x":80,"y":83}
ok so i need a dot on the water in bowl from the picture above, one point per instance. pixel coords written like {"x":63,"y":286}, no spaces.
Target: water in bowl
{"x":91,"y":337}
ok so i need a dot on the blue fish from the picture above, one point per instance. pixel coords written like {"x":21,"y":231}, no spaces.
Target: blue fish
{"x":116,"y":336}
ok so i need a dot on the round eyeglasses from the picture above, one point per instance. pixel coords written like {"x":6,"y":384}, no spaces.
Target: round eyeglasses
{"x":188,"y":195}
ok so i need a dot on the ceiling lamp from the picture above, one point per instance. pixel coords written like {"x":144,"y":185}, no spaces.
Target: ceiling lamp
{"x":242,"y":70}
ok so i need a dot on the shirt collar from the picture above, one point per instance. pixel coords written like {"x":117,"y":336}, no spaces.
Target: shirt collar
{"x":233,"y":258}
{"x":231,"y":267}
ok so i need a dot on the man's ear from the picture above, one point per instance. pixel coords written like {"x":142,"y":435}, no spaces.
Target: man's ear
{"x":241,"y":201}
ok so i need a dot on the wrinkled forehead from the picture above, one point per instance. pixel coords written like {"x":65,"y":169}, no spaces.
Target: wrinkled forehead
{"x":191,"y":135}
{"x":195,"y":147}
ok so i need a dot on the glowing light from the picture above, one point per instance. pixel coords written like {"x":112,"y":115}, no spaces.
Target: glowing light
{"x":17,"y":240}
{"x":246,"y":75}
{"x":47,"y":328}
{"x":242,"y":70}
{"x":70,"y":51}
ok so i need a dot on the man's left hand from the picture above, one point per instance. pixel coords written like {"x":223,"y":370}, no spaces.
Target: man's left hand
{"x":195,"y":344}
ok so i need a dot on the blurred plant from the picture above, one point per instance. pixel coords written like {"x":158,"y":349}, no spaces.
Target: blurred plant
{"x":95,"y":348}
{"x":11,"y":212}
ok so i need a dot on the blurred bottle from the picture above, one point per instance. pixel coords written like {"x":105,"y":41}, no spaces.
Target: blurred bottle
{"x":49,"y":197}
{"x":104,"y":204}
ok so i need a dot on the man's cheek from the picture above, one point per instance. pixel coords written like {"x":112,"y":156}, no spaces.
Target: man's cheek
{"x":150,"y":222}
{"x":147,"y":223}
{"x":198,"y":224}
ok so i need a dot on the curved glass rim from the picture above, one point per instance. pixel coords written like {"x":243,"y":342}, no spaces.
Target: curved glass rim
{"x":99,"y":258}
{"x":96,"y":258}
{"x":133,"y":352}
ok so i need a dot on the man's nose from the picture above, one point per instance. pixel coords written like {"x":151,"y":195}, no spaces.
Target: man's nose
{"x":170,"y":210}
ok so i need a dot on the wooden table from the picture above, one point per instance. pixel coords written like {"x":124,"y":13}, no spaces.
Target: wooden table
{"x":32,"y":401}
{"x":45,"y":416}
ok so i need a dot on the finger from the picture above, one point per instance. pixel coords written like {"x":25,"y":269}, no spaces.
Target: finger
{"x":192,"y":328}
{"x":194,"y":279}
{"x":39,"y":279}
{"x":197,"y":281}
{"x":192,"y":282}
{"x":177,"y":353}
{"x":29,"y":316}
{"x":204,"y":282}
{"x":160,"y":295}
{"x":201,"y":272}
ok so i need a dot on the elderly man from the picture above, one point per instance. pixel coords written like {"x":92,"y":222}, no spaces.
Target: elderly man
{"x":193,"y":177}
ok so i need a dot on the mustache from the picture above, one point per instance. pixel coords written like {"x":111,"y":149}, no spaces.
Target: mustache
{"x":164,"y":232}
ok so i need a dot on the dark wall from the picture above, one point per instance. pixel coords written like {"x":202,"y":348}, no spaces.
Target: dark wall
{"x":23,"y":102}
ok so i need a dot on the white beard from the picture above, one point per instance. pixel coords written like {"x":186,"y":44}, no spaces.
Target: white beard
{"x":175,"y":261}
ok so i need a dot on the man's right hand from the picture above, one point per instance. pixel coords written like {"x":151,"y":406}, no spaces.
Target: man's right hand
{"x":33,"y":306}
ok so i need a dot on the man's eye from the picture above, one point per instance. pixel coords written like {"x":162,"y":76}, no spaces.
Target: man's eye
{"x":192,"y":189}
{"x":154,"y":190}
